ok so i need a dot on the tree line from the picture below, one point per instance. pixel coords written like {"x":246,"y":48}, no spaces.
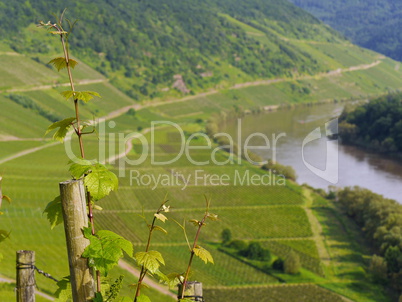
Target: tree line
{"x":381,"y":221}
{"x":377,"y":125}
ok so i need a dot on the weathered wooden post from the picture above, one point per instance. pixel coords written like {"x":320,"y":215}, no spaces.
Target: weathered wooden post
{"x":73,"y":201}
{"x":193,"y":291}
{"x":26,"y":276}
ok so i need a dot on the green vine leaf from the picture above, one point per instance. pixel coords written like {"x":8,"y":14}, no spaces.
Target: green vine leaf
{"x":54,"y":212}
{"x":203,"y":254}
{"x":100,"y":182}
{"x":194,"y":222}
{"x":98,"y":297}
{"x":85,"y":96}
{"x":151,"y":260}
{"x":162,"y":277}
{"x":143,"y":298}
{"x":158,"y":228}
{"x":161,"y":217}
{"x":63,"y":125}
{"x":105,"y":249}
{"x":7,"y":198}
{"x":61,"y":63}
{"x":80,"y":167}
{"x":1,"y":199}
{"x":212,"y":217}
{"x":173,"y":279}
{"x":63,"y":292}
{"x":98,"y":208}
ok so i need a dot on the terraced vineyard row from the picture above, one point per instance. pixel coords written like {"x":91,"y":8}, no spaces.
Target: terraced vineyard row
{"x":299,"y":293}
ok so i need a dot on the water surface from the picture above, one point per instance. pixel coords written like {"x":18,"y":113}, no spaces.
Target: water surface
{"x":355,"y":166}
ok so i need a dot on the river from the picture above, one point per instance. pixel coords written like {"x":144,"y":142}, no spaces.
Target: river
{"x":340,"y":165}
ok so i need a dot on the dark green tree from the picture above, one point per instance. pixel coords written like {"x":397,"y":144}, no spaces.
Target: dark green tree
{"x":378,"y":268}
{"x":393,"y":257}
{"x":278,"y":264}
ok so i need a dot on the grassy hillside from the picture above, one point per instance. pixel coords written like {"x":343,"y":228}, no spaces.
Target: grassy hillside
{"x":372,"y":24}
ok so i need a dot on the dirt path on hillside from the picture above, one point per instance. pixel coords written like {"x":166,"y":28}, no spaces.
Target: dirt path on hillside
{"x":10,"y":53}
{"x":129,"y":147}
{"x":47,"y":87}
{"x":123,"y":110}
{"x":26,"y":152}
{"x":46,"y":296}
{"x":322,"y":74}
{"x":316,"y":229}
{"x":151,"y":283}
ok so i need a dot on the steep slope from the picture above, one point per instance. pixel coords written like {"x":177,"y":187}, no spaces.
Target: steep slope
{"x":372,"y":24}
{"x":144,"y":45}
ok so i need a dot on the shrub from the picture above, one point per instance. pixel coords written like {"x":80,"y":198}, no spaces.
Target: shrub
{"x":131,"y":112}
{"x":279,"y":169}
{"x":237,"y":245}
{"x":212,"y":128}
{"x":254,"y":251}
{"x":291,"y":264}
{"x":226,"y":236}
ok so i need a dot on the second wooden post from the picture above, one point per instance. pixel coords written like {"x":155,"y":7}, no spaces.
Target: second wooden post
{"x":26,"y":276}
{"x":73,"y":200}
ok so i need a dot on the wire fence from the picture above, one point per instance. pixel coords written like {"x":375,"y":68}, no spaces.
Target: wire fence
{"x":32,"y":266}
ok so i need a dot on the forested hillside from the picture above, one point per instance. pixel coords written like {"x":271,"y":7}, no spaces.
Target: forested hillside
{"x":376,"y":125}
{"x":146,"y":47}
{"x":374,"y":24}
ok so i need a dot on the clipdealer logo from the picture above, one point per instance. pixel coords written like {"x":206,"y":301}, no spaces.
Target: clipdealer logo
{"x":118,"y":145}
{"x":331,"y":171}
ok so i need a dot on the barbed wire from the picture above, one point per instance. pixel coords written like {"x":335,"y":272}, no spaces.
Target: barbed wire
{"x":47,"y":275}
{"x":32,"y":266}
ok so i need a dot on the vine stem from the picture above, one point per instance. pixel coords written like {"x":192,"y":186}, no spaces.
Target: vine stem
{"x":143,"y":272}
{"x":70,"y":77}
{"x":200,"y":225}
{"x":79,"y":133}
{"x":91,"y":220}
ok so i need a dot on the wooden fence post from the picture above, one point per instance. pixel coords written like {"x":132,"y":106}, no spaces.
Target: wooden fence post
{"x":26,"y":276}
{"x":193,"y":291}
{"x":73,"y":201}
